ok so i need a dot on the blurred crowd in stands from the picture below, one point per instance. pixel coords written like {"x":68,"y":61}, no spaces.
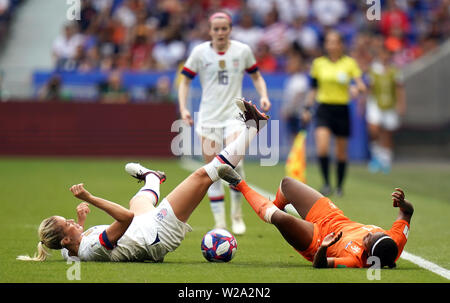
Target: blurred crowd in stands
{"x":7,"y":10}
{"x":159,"y":34}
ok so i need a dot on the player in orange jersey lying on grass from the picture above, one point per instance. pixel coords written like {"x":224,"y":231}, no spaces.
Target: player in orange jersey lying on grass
{"x":323,"y":234}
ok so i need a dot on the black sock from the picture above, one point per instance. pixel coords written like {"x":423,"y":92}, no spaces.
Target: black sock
{"x":341,"y":169}
{"x":324,"y":163}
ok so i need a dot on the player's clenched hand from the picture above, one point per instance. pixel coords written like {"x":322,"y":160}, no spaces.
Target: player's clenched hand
{"x":186,"y":116}
{"x":265,"y":104}
{"x":331,"y":239}
{"x":398,"y":197}
{"x":83,"y":210}
{"x":81,"y":193}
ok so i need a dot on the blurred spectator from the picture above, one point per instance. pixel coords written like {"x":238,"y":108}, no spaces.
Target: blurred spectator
{"x":294,"y":94}
{"x":126,"y":14}
{"x":246,"y":31}
{"x":291,"y":10}
{"x":384,"y":107}
{"x":260,"y":9}
{"x":275,"y":33}
{"x":157,"y":35}
{"x":2,"y":75}
{"x":51,"y":91}
{"x":442,"y":19}
{"x":67,"y":48}
{"x":113,"y":90}
{"x":170,"y":50}
{"x":199,"y":34}
{"x":88,"y":15}
{"x":304,"y":36}
{"x":4,"y":9}
{"x":361,"y":52}
{"x":394,"y":19}
{"x":265,"y":59}
{"x":90,"y":60}
{"x":142,"y":45}
{"x":162,"y":92}
{"x":329,"y":12}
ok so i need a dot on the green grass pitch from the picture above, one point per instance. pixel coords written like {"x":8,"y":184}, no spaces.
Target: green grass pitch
{"x":34,"y":188}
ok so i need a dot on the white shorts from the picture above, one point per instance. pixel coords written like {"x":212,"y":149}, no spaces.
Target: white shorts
{"x":171,"y":231}
{"x":387,"y":119}
{"x":219,"y":134}
{"x":151,"y":236}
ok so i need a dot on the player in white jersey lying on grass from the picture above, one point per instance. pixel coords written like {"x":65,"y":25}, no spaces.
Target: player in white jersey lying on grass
{"x":142,"y":232}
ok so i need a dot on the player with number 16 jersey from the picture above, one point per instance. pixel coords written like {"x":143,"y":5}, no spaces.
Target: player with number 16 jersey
{"x":220,"y":64}
{"x":221,"y":75}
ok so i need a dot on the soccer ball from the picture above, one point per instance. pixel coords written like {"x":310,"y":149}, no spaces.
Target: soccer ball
{"x":219,"y":245}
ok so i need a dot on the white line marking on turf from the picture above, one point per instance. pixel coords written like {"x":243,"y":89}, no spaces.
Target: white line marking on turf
{"x":426,"y":264}
{"x":192,"y":165}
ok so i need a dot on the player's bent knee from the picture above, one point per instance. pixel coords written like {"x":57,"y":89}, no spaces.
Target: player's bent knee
{"x":286,"y":183}
{"x":201,"y":175}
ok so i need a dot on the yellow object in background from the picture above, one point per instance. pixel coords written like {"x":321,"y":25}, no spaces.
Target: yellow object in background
{"x":296,"y":161}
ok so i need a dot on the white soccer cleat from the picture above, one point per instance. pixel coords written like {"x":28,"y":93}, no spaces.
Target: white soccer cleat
{"x":237,"y":225}
{"x":139,"y":172}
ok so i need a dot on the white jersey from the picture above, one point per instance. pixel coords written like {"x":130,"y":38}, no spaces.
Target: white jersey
{"x":221,"y":76}
{"x":149,"y":237}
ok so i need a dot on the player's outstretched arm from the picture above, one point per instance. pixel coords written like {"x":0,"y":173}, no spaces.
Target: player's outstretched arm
{"x":183,"y":91}
{"x":123,"y":216}
{"x":261,"y":88}
{"x":320,"y":258}
{"x":406,"y":208}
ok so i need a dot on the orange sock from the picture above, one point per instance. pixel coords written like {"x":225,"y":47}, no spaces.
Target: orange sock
{"x":280,"y":200}
{"x":263,"y":207}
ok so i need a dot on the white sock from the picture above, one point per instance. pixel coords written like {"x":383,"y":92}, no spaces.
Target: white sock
{"x":385,"y":156}
{"x":232,"y":154}
{"x":235,"y":195}
{"x":375,"y":150}
{"x":211,"y":169}
{"x":235,"y":151}
{"x":216,"y":196}
{"x":151,"y":188}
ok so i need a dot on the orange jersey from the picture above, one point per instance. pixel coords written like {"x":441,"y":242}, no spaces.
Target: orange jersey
{"x":349,"y":250}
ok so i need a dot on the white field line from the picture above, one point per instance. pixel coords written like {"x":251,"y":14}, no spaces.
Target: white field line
{"x":192,"y":165}
{"x":426,"y":264}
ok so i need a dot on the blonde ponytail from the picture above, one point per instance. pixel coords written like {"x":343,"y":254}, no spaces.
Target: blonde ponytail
{"x":51,"y":235}
{"x":40,"y":256}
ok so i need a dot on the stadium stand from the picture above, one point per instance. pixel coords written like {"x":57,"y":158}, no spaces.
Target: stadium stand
{"x":146,"y":40}
{"x":7,"y":11}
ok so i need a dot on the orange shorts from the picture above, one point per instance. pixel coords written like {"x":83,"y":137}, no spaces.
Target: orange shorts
{"x":324,"y":215}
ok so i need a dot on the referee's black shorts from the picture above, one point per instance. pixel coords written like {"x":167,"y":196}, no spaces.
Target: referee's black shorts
{"x":334,"y":117}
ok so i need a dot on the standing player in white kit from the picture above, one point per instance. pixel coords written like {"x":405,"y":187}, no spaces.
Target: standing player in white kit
{"x":220,"y":64}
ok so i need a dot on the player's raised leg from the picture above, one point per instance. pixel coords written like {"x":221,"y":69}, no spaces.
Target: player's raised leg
{"x":237,"y":221}
{"x":216,"y":192}
{"x":148,"y":196}
{"x":300,"y":195}
{"x":188,"y":194}
{"x":297,"y":232}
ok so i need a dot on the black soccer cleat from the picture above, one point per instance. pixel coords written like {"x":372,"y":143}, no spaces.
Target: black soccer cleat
{"x":250,"y":114}
{"x":139,"y":172}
